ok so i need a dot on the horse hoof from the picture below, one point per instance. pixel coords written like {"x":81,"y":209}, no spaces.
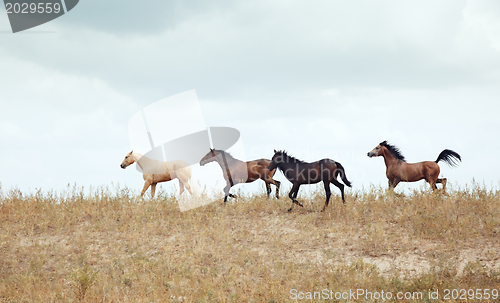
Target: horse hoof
{"x":290,"y":209}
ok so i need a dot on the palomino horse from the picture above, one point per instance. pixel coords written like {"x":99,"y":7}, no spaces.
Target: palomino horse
{"x":156,"y":171}
{"x":400,"y":171}
{"x":299,"y":172}
{"x":236,"y":171}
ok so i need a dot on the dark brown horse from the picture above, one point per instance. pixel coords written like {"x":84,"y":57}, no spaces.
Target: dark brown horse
{"x":236,"y":171}
{"x":299,"y":172}
{"x":397,"y":170}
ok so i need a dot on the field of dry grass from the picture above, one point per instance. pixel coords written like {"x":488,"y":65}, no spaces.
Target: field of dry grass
{"x":105,"y":245}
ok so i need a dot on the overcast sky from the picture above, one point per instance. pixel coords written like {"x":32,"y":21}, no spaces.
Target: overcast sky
{"x":317,"y":78}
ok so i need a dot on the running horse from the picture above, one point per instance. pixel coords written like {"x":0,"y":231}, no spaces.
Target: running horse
{"x":397,"y":170}
{"x":299,"y":172}
{"x":236,"y":171}
{"x":155,"y":171}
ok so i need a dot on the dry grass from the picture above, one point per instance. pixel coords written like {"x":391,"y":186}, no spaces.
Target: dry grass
{"x":107,"y":246}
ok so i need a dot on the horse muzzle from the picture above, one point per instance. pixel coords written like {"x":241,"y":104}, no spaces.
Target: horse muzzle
{"x":122,"y":166}
{"x":370,"y":154}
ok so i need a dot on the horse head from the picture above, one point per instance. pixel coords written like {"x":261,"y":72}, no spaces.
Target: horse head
{"x":129,"y":159}
{"x":209,"y":157}
{"x":377,"y":151}
{"x":276,"y":160}
{"x":384,"y":148}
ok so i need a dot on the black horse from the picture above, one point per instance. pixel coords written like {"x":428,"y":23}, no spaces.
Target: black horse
{"x":299,"y":172}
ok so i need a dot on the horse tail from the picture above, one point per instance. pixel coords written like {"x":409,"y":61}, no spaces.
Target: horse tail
{"x":341,"y":170}
{"x":450,"y":157}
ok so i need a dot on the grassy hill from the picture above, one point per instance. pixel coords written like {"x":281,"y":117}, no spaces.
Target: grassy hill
{"x":105,"y":245}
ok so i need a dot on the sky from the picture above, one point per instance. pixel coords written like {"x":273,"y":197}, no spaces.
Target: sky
{"x":317,"y":78}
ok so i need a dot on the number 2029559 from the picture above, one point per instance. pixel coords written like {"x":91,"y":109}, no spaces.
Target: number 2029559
{"x":33,"y":8}
{"x":479,"y":294}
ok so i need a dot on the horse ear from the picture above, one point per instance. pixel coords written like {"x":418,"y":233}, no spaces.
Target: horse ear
{"x":131,"y":152}
{"x":275,"y":151}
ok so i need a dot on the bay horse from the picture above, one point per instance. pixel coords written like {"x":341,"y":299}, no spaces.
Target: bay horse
{"x":236,"y":171}
{"x":299,"y":172}
{"x":397,"y":170}
{"x":155,"y":171}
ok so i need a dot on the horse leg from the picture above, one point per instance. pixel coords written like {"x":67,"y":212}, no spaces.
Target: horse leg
{"x":153,"y":190}
{"x":295,"y":197}
{"x":293,"y":194}
{"x":187,"y":186}
{"x":268,"y":188}
{"x":432,"y":182}
{"x":442,"y":181}
{"x":227,"y":194}
{"x":393,"y":183}
{"x":146,"y":186}
{"x":277,"y":184}
{"x":181,"y":187}
{"x":341,"y":187}
{"x":328,"y":193}
{"x":184,"y":175}
{"x":296,"y":193}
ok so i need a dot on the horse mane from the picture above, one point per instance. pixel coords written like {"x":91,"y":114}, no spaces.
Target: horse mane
{"x":394,"y":151}
{"x":225,"y":153}
{"x":289,"y":157}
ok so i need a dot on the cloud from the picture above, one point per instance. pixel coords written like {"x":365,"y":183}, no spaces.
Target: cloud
{"x":483,"y":17}
{"x":54,"y":122}
{"x":222,"y":47}
{"x":423,"y":75}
